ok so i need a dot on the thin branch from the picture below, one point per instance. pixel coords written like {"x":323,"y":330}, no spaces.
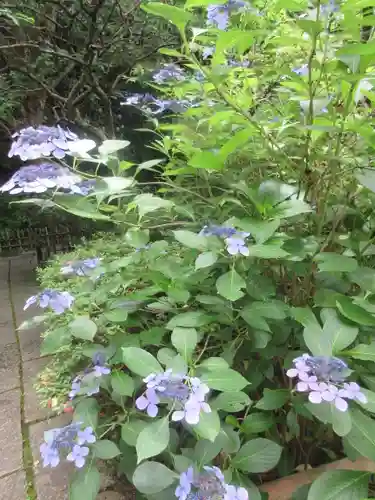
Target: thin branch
{"x":46,"y":51}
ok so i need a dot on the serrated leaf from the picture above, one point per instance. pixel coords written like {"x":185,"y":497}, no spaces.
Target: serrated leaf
{"x":340,"y":485}
{"x":334,"y":262}
{"x":257,"y":455}
{"x":225,"y":380}
{"x":122,"y":383}
{"x":83,"y":327}
{"x":152,"y":477}
{"x":231,"y":401}
{"x":185,"y":341}
{"x":273,"y":399}
{"x":190,"y":239}
{"x":153,"y":439}
{"x":205,"y":259}
{"x":131,"y":430}
{"x":362,"y":436}
{"x":355,"y":313}
{"x":208,"y":426}
{"x":229,"y":285}
{"x":85,"y":484}
{"x":140,"y":361}
{"x":105,"y":449}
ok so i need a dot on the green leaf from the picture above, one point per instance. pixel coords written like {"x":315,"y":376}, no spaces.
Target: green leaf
{"x":231,"y":401}
{"x":153,"y":439}
{"x":86,"y":412}
{"x":192,"y":319}
{"x":337,"y":334}
{"x":362,"y":436}
{"x":341,"y":421}
{"x":340,"y":485}
{"x":185,"y":341}
{"x":54,"y":340}
{"x":273,"y":399}
{"x":315,"y":340}
{"x":365,"y":352}
{"x":355,"y":313}
{"x":254,"y":319}
{"x":370,"y":405}
{"x":112,"y":146}
{"x":260,"y":230}
{"x":257,"y":422}
{"x":205,"y":451}
{"x":173,"y":14}
{"x":153,"y":336}
{"x":334,"y":262}
{"x":208,"y":426}
{"x":205,"y":259}
{"x":105,"y":449}
{"x":229,"y":285}
{"x":200,"y":3}
{"x":190,"y":239}
{"x":122,"y":383}
{"x":257,"y":455}
{"x":152,"y":477}
{"x":206,"y":160}
{"x":85,"y":484}
{"x":137,"y":238}
{"x":267,"y":252}
{"x":304,"y":315}
{"x":83,"y":328}
{"x":214,"y":363}
{"x":117,"y":315}
{"x":32,"y":323}
{"x":140,"y":361}
{"x":149,"y":203}
{"x":131,"y":430}
{"x":225,"y":380}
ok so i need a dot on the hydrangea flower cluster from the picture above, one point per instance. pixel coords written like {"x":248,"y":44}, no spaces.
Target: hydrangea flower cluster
{"x":80,"y":267}
{"x":218,"y":15}
{"x":235,"y":240}
{"x":151,"y":105}
{"x":169,"y":73}
{"x":188,"y":395}
{"x":35,"y":142}
{"x":57,"y":301}
{"x":38,"y":178}
{"x":324,"y":379}
{"x":207,"y":484}
{"x":87,"y":383}
{"x":302,"y":71}
{"x":70,"y":439}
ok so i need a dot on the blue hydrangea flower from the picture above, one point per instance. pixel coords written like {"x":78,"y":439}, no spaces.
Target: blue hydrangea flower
{"x":208,"y":52}
{"x":218,"y":15}
{"x":36,"y":142}
{"x":169,"y":73}
{"x":39,"y":178}
{"x":83,"y":188}
{"x":86,"y":436}
{"x":148,"y":401}
{"x":221,"y":231}
{"x":236,"y":244}
{"x":188,"y":395}
{"x":302,"y":71}
{"x":322,"y":377}
{"x":78,"y":455}
{"x":87,"y":382}
{"x":138,"y":99}
{"x":66,"y":440}
{"x":76,"y":387}
{"x":57,"y":301}
{"x":234,"y":493}
{"x":80,"y":267}
{"x":186,"y":481}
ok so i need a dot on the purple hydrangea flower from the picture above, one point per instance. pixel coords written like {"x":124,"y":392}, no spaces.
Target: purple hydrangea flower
{"x":302,"y":71}
{"x":57,"y":301}
{"x":184,"y":488}
{"x":78,"y":455}
{"x":234,"y":493}
{"x":323,"y":378}
{"x":56,"y":440}
{"x":76,"y":387}
{"x":86,"y":436}
{"x":187,"y":393}
{"x":80,"y":267}
{"x":148,"y":401}
{"x":36,"y":142}
{"x":39,"y":178}
{"x":208,"y":52}
{"x":168,"y":73}
{"x":236,"y":244}
{"x":218,"y":15}
{"x":101,"y":370}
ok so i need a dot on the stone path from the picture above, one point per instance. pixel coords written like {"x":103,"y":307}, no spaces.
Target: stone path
{"x":22,"y":421}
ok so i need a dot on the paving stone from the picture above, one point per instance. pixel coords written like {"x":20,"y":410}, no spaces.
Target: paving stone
{"x":33,"y":410}
{"x":13,"y":487}
{"x":115,"y":495}
{"x":7,"y":335}
{"x":10,"y":432}
{"x":30,"y":341}
{"x":9,"y":367}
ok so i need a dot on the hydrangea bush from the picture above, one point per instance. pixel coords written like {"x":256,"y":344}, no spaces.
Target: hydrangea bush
{"x":223,"y":336}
